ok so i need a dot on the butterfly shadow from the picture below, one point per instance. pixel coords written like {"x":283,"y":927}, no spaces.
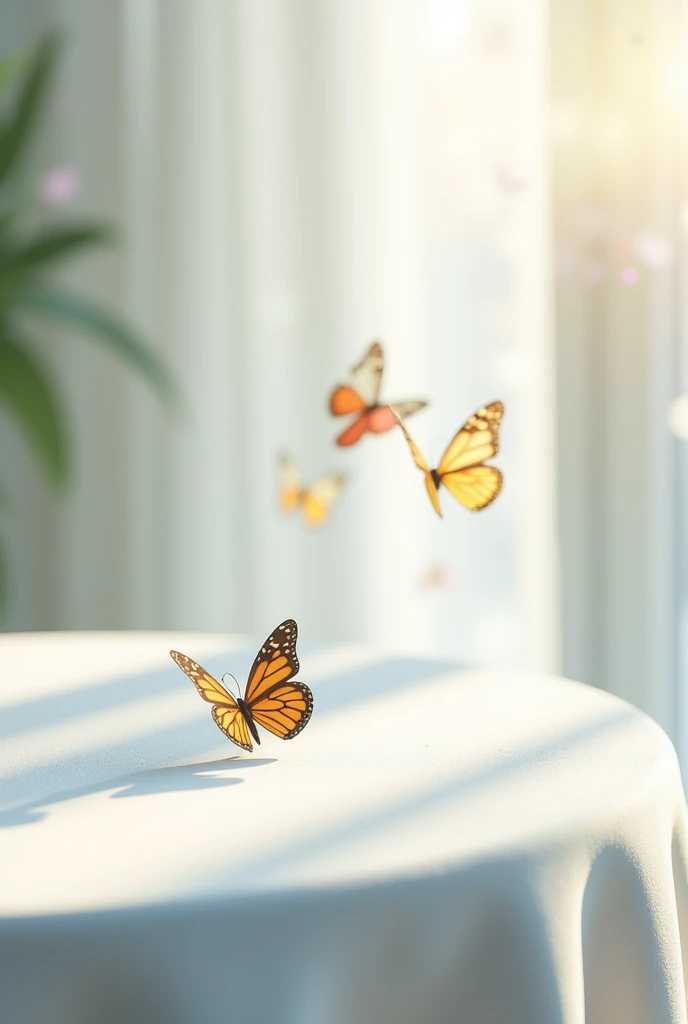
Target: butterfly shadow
{"x":188,"y":776}
{"x":176,"y":779}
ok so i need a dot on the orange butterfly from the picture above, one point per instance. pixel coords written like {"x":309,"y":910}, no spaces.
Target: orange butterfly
{"x":461,"y":468}
{"x":363,"y":397}
{"x":271,"y":699}
{"x":314,"y":500}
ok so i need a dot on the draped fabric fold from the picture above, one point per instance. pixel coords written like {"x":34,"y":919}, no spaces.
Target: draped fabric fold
{"x":517,"y":857}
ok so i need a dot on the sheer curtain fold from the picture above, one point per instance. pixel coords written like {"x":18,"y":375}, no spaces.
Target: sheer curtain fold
{"x":619,"y":168}
{"x":295,"y":179}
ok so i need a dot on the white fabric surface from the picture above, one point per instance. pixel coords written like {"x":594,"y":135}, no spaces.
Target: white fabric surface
{"x":437,"y":845}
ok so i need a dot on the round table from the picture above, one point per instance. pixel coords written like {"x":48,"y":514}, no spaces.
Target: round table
{"x":438,"y":845}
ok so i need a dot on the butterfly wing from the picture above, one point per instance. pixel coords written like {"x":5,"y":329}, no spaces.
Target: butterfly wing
{"x":355,"y":431}
{"x":415,"y":452}
{"x":433,"y":493}
{"x":430,"y":484}
{"x":279,"y":705}
{"x":475,"y":487}
{"x":207,"y":686}
{"x":477,"y":441}
{"x":367,"y":379}
{"x":461,"y":470}
{"x":367,"y":375}
{"x":276,"y":662}
{"x":285,"y":710}
{"x":233,"y":724}
{"x":289,"y":483}
{"x":226,"y":712}
{"x":345,"y":400}
{"x":382,"y":418}
{"x":318,"y":499}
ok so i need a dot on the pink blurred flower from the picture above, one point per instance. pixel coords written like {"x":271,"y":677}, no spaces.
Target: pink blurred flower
{"x":629,"y":275}
{"x":437,"y":577}
{"x":59,"y":185}
{"x":654,"y":250}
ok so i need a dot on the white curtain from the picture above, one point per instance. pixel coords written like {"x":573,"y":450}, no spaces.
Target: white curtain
{"x":294,"y":178}
{"x":620,"y":103}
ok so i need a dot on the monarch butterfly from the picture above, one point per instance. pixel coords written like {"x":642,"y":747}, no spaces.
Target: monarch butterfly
{"x":461,"y":468}
{"x":315,"y":500}
{"x":363,"y":397}
{"x":271,"y":699}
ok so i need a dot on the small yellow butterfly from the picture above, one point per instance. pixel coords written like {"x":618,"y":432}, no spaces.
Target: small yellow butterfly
{"x":461,"y":468}
{"x":315,"y":500}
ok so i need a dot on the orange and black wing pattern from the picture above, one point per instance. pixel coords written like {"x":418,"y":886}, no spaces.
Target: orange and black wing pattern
{"x":285,"y":710}
{"x":226,"y":712}
{"x":275,"y":662}
{"x":233,"y":724}
{"x":281,"y":706}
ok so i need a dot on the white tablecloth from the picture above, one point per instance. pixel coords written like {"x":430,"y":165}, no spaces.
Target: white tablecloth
{"x":436,"y":846}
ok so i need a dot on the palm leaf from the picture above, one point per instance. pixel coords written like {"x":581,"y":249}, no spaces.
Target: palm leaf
{"x":72,"y":311}
{"x":55,"y":244}
{"x":11,"y":67}
{"x":17,"y":131}
{"x":5,"y":500}
{"x":29,"y":394}
{"x":7,"y":220}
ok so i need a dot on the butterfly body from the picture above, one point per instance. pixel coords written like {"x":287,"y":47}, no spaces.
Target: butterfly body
{"x":246,"y":712}
{"x":362,"y":400}
{"x":271,"y":699}
{"x":462,"y":468}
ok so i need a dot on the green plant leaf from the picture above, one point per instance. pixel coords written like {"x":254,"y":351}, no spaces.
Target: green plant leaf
{"x":53,"y":244}
{"x":17,"y":130}
{"x":73,"y":311}
{"x":29,"y":394}
{"x":5,"y":500}
{"x":11,"y":66}
{"x":7,"y":221}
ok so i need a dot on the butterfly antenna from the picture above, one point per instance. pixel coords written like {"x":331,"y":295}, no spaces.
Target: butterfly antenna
{"x":235,"y":680}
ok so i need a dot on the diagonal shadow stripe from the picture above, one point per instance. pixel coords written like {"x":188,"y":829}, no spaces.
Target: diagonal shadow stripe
{"x":367,"y":682}
{"x":45,"y":711}
{"x":333,"y":838}
{"x":160,"y":747}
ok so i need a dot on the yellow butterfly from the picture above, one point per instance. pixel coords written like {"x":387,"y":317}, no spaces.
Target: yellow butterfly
{"x":271,"y":699}
{"x":315,"y":500}
{"x":461,"y":468}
